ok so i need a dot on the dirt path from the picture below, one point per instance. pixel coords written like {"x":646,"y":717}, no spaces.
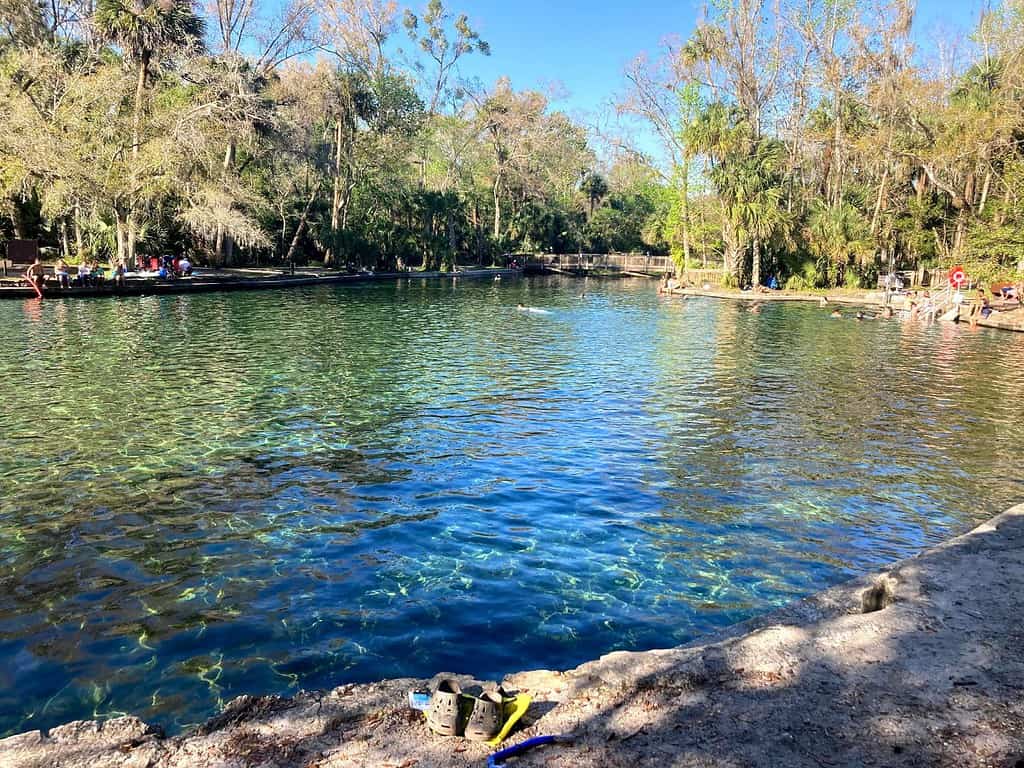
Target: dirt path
{"x":922,"y":665}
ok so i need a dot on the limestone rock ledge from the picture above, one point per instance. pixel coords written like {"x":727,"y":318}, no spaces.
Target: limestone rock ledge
{"x":919,"y":665}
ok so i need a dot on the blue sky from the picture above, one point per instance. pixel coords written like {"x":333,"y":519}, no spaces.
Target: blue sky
{"x":585,"y":45}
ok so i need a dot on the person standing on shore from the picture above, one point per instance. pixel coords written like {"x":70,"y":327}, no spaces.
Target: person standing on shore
{"x":35,"y":274}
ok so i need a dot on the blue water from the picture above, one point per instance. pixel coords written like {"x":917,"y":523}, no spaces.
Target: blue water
{"x":255,"y":492}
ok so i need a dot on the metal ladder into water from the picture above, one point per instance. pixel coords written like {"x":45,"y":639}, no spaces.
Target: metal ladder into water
{"x":941,"y":302}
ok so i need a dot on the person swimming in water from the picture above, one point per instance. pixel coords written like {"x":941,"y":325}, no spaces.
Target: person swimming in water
{"x":532,"y":310}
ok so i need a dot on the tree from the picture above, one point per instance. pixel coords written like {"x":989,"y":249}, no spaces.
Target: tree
{"x":443,"y":48}
{"x":595,"y":188}
{"x":251,"y":43}
{"x":142,"y":29}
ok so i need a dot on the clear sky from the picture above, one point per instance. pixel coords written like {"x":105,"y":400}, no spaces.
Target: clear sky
{"x":584,"y":45}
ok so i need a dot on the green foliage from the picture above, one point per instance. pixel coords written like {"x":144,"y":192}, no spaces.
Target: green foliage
{"x":838,"y":236}
{"x":594,"y":187}
{"x":123,"y":125}
{"x":391,"y":106}
{"x":796,"y":283}
{"x":144,"y":27}
{"x":995,"y":242}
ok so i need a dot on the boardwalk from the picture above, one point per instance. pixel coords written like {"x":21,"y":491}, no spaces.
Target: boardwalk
{"x":581,"y":264}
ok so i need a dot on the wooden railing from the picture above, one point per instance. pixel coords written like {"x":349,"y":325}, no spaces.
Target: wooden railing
{"x":611,"y":262}
{"x":635,"y":263}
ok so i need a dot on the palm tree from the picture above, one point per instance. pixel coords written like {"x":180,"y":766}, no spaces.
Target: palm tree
{"x":747,"y":174}
{"x":756,"y":182}
{"x":719,"y":133}
{"x":142,"y":29}
{"x":838,"y":236}
{"x":595,"y":188}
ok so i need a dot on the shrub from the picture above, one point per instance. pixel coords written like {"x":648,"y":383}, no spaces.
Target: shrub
{"x":811,"y":276}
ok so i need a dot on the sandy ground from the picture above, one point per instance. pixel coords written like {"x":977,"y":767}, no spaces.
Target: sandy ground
{"x":921,"y":665}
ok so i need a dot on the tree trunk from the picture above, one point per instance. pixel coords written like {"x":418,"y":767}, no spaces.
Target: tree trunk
{"x":984,"y":192}
{"x":120,"y":233}
{"x":731,"y":256}
{"x":703,"y":240}
{"x":878,"y":201}
{"x":1000,"y":217}
{"x":333,"y":254}
{"x":756,"y":266}
{"x":453,"y":246}
{"x":475,"y":222}
{"x":497,"y":207}
{"x":731,"y":250}
{"x":684,"y":215}
{"x":76,"y":219}
{"x":133,"y":230}
{"x":961,"y":230}
{"x":837,"y":161}
{"x":284,"y":227}
{"x":16,"y":222}
{"x":140,"y":90}
{"x":301,"y":229}
{"x":224,"y":247}
{"x":65,"y":242}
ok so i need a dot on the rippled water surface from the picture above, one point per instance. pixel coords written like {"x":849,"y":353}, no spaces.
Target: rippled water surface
{"x":254,"y":492}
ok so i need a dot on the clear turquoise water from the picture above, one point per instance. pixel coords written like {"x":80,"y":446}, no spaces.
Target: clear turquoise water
{"x":255,"y":492}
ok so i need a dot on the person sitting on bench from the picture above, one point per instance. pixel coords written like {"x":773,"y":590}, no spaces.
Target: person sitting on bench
{"x":61,"y":273}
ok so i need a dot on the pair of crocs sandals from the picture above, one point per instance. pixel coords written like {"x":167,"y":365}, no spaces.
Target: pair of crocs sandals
{"x":478,"y":718}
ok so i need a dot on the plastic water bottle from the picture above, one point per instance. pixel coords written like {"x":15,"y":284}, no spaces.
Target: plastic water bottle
{"x":419,"y":700}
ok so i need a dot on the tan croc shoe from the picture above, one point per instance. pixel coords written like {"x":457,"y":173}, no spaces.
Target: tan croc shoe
{"x":443,"y":715}
{"x":486,"y":718}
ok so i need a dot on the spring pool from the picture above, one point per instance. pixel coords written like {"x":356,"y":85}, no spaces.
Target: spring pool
{"x":204,"y":496}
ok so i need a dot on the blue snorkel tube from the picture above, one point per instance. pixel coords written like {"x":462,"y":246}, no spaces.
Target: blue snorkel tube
{"x":497,"y":760}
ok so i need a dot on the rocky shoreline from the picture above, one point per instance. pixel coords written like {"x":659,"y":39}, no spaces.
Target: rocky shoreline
{"x":1007,"y":319}
{"x":918,"y":665}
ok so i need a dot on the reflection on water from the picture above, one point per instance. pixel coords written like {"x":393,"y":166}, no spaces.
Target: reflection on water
{"x":212,"y":495}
